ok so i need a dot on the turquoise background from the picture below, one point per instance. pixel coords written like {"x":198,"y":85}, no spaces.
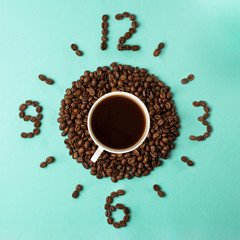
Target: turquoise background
{"x":202,"y":37}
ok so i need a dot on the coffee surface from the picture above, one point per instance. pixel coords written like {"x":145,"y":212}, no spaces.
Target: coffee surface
{"x":118,"y":122}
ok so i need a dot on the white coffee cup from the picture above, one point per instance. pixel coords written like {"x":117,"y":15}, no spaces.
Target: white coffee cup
{"x":102,"y":147}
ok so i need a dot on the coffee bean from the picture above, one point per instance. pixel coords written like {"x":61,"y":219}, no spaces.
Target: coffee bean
{"x":204,"y":122}
{"x":38,"y":109}
{"x":42,"y":77}
{"x":109,"y":199}
{"x":116,"y":224}
{"x":161,"y":194}
{"x":37,"y":124}
{"x":122,"y":223}
{"x":195,"y":104}
{"x":206,"y":109}
{"x":200,"y":119}
{"x":74,"y":47}
{"x":121,"y":40}
{"x":156,"y":52}
{"x":110,"y":220}
{"x":49,"y":81}
{"x":135,"y":48}
{"x":209,"y":128}
{"x":113,"y":194}
{"x":79,"y":188}
{"x":120,"y":192}
{"x":119,"y":47}
{"x":103,"y":46}
{"x":200,"y":138}
{"x":190,"y":77}
{"x":104,"y":38}
{"x":28,"y":102}
{"x":107,"y":206}
{"x":105,"y":18}
{"x":156,"y":187}
{"x":35,"y":103}
{"x":30,"y":134}
{"x":125,"y":14}
{"x":202,"y":103}
{"x":126,"y":218}
{"x":79,"y":53}
{"x":108,"y":213}
{"x":21,"y":114}
{"x":127,"y":35}
{"x":112,"y":208}
{"x":127,"y":47}
{"x":27,"y":118}
{"x":160,"y":46}
{"x":126,"y":210}
{"x":206,"y":134}
{"x":104,"y":32}
{"x":33,"y":119}
{"x":190,"y":163}
{"x":184,"y":159}
{"x":206,"y":115}
{"x":104,"y":25}
{"x":24,"y":135}
{"x":119,"y":16}
{"x":49,"y":159}
{"x":132,"y":30}
{"x":43,"y":164}
{"x":22,"y":107}
{"x":134,"y":24}
{"x":36,"y":131}
{"x":132,"y":17}
{"x":184,"y":81}
{"x":119,"y":206}
{"x":75,"y":194}
{"x":39,"y":116}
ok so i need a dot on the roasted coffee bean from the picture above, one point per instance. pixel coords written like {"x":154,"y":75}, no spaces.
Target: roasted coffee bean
{"x":202,"y":103}
{"x":119,"y":47}
{"x":38,"y":109}
{"x":79,"y":53}
{"x":184,"y":159}
{"x":204,"y":122}
{"x":79,"y":188}
{"x":108,"y":213}
{"x":127,"y":35}
{"x":127,"y":47}
{"x":119,"y":206}
{"x":112,"y":208}
{"x":33,"y":119}
{"x":200,"y":138}
{"x":21,"y":114}
{"x":132,"y":17}
{"x":206,"y":134}
{"x":126,"y":218}
{"x":135,"y":48}
{"x":30,"y":134}
{"x":206,"y":115}
{"x":134,"y":24}
{"x":126,"y":210}
{"x":22,"y":107}
{"x":116,"y":224}
{"x":35,"y":103}
{"x":190,"y":77}
{"x":104,"y":32}
{"x":105,"y":18}
{"x":156,"y":187}
{"x":104,"y":38}
{"x":42,"y":77}
{"x":132,"y":30}
{"x":24,"y":135}
{"x":200,"y":119}
{"x":161,"y":194}
{"x":37,"y":124}
{"x":209,"y":128}
{"x":43,"y":164}
{"x":27,"y":118}
{"x":28,"y":102}
{"x":39,"y":116}
{"x":195,"y":104}
{"x":160,"y":46}
{"x":121,"y":40}
{"x":156,"y":52}
{"x":122,"y":223}
{"x":49,"y":159}
{"x":107,"y":206}
{"x":206,"y":109}
{"x":119,"y":16}
{"x":104,"y":25}
{"x":74,"y":47}
{"x":120,"y":192}
{"x":190,"y":163}
{"x":103,"y":46}
{"x":110,"y":220}
{"x":109,"y":199}
{"x":36,"y":131}
{"x":125,"y":14}
{"x":184,"y":81}
{"x":114,"y":194}
{"x":75,"y":194}
{"x":49,"y":81}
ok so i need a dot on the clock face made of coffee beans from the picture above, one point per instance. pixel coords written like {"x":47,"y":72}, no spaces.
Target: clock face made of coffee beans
{"x":85,"y":91}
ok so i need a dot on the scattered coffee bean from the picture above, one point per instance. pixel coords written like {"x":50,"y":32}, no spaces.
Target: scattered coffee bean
{"x":184,"y":81}
{"x":42,"y":77}
{"x":24,"y":135}
{"x":39,"y":117}
{"x":204,"y":122}
{"x":38,"y":109}
{"x":75,"y":194}
{"x":22,"y":107}
{"x":105,"y":18}
{"x":156,"y":187}
{"x":112,"y":208}
{"x":132,"y":17}
{"x":135,"y":48}
{"x":108,"y":213}
{"x":79,"y":188}
{"x":200,"y":119}
{"x":36,"y":131}
{"x":103,"y":46}
{"x":156,"y":52}
{"x":206,"y":115}
{"x":206,"y":109}
{"x":107,"y":206}
{"x":119,"y":206}
{"x":202,"y":103}
{"x":109,"y":199}
{"x":110,"y":220}
{"x":125,"y":14}
{"x":43,"y":164}
{"x":126,"y":210}
{"x":49,"y":159}
{"x":21,"y":114}
{"x":49,"y":81}
{"x":27,"y":118}
{"x":74,"y":47}
{"x":161,"y":194}
{"x":184,"y":159}
{"x":190,"y":77}
{"x":113,"y":194}
{"x":122,"y":223}
{"x":120,"y":192}
{"x":119,"y":16}
{"x":126,"y":218}
{"x":116,"y":224}
{"x":209,"y":129}
{"x":190,"y":163}
{"x":134,"y":24}
{"x":79,"y":53}
{"x":35,"y":103}
{"x":161,"y":46}
{"x":37,"y":124}
{"x":195,"y":104}
{"x":28,"y":102}
{"x":33,"y":119}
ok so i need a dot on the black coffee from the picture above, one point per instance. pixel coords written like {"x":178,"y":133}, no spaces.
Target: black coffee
{"x":118,"y":122}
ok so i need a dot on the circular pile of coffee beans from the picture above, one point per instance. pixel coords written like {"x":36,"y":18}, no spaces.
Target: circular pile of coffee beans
{"x":203,"y":120}
{"x":48,"y":160}
{"x":104,"y":32}
{"x":35,"y":119}
{"x":157,"y":51}
{"x":110,"y":208}
{"x":128,"y":34}
{"x":157,"y":188}
{"x":78,"y":189}
{"x":153,"y":93}
{"x":74,"y":47}
{"x":43,"y":78}
{"x":186,"y":160}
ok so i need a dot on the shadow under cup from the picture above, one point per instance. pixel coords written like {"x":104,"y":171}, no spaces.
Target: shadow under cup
{"x":118,"y":122}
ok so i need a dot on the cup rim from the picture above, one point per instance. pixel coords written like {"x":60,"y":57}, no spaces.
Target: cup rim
{"x":144,"y":135}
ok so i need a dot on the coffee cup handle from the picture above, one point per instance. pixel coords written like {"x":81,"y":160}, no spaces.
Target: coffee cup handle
{"x":96,"y":155}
